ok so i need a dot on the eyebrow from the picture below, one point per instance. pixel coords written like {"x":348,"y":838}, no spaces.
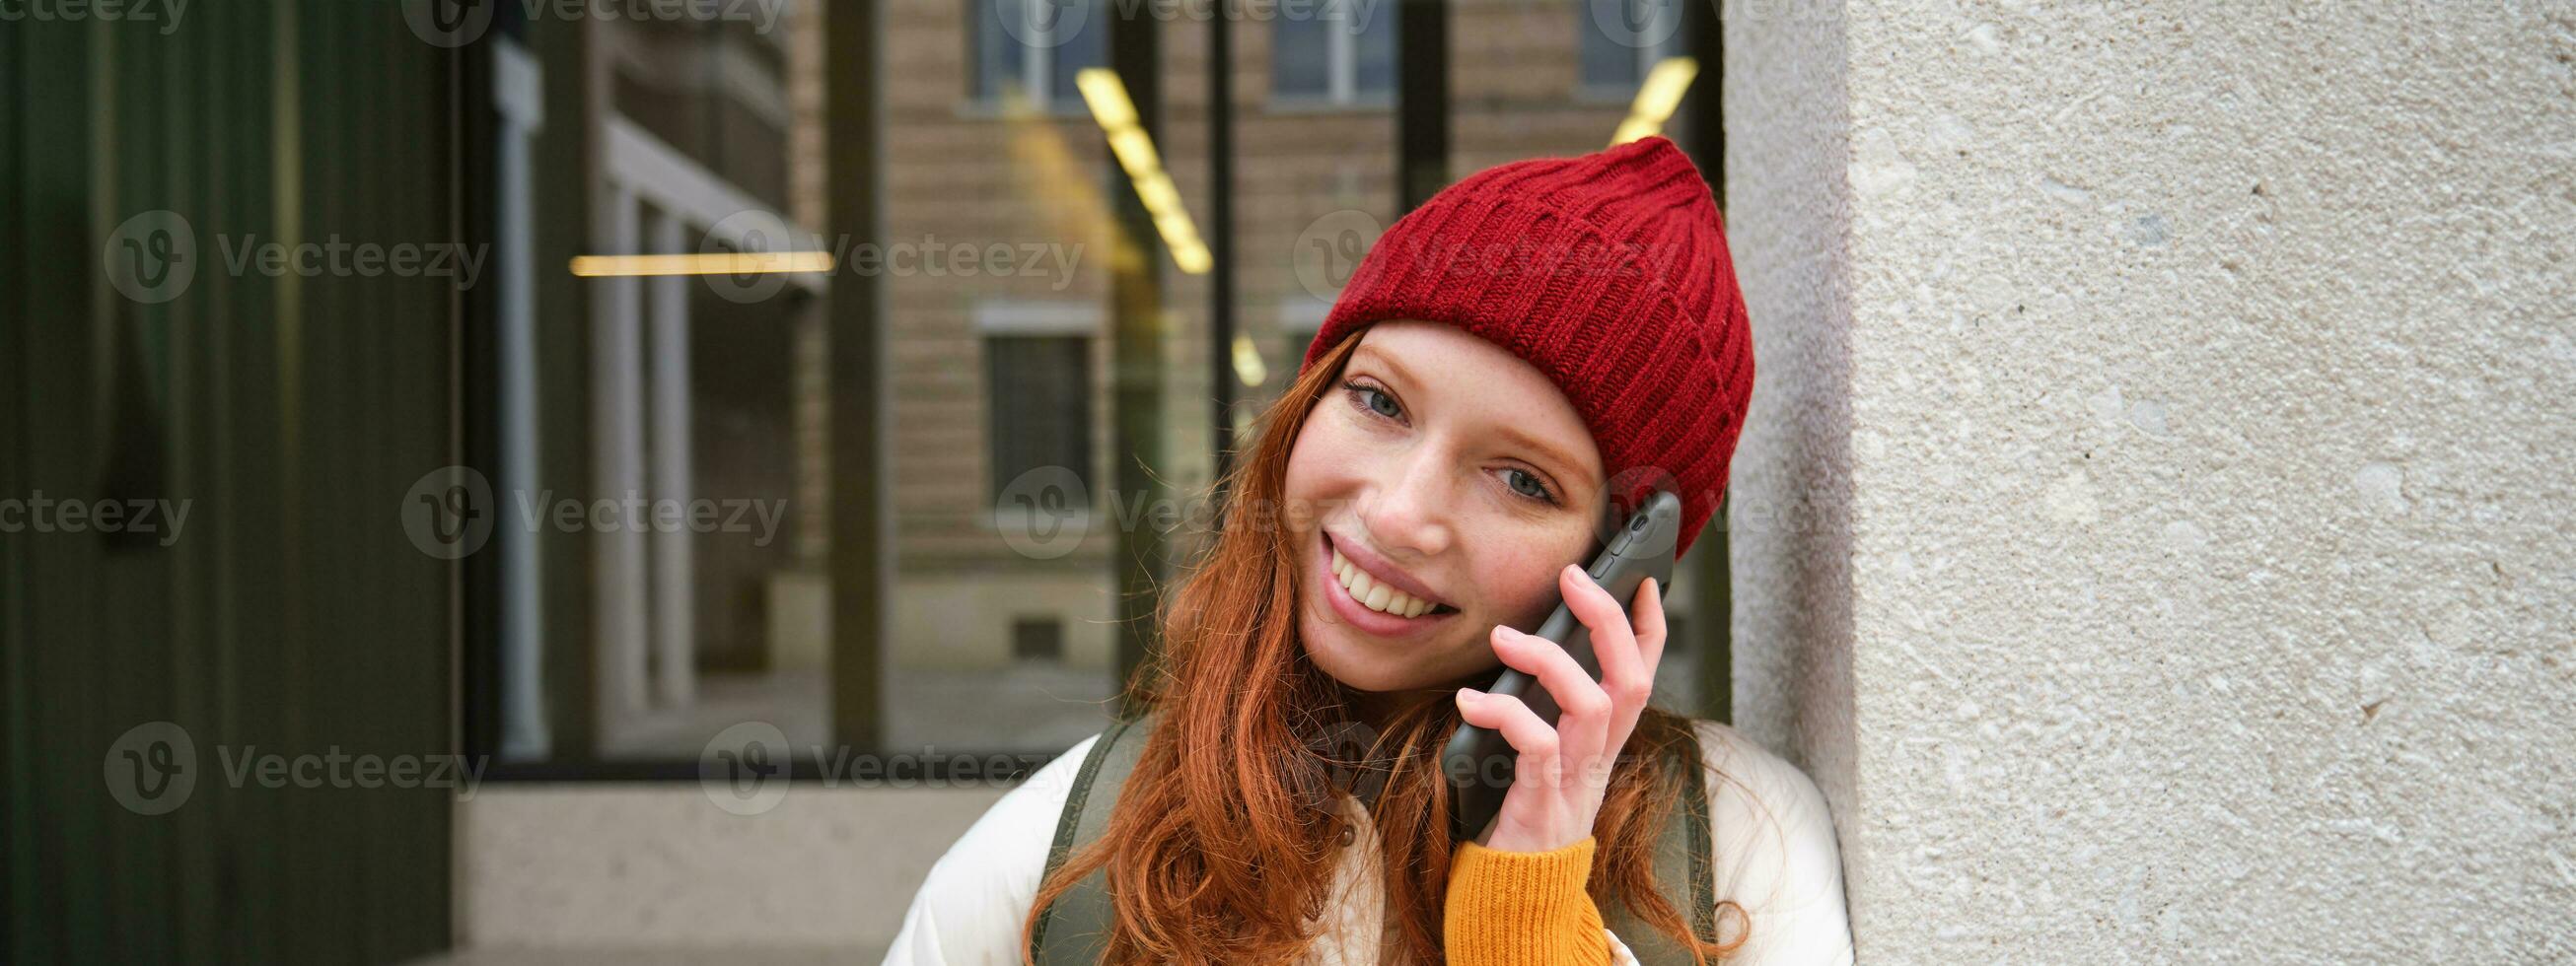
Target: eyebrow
{"x":1548,"y":454}
{"x":1385,"y":359}
{"x":1565,"y":465}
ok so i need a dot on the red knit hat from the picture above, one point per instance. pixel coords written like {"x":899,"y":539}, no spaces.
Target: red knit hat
{"x":1609,"y":272}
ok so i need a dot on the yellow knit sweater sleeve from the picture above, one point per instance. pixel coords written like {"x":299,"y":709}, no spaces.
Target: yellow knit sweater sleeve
{"x":1516,"y":908}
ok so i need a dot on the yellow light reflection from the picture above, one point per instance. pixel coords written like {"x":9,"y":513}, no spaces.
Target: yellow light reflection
{"x":1116,"y":113}
{"x":707,"y":263}
{"x":1656,"y":99}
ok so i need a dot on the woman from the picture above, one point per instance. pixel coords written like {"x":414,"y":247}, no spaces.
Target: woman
{"x":1512,"y":366}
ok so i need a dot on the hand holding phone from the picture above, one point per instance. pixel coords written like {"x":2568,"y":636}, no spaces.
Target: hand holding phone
{"x":1484,"y":756}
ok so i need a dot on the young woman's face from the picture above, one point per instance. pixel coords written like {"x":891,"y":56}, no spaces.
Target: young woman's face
{"x":1445,"y":470}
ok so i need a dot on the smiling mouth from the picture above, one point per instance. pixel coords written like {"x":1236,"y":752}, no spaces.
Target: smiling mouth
{"x":1370,"y":593}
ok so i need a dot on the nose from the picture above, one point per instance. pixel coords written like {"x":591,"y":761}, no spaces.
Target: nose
{"x":1410,"y":509}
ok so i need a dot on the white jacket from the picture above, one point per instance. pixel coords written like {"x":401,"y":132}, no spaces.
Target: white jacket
{"x":1775,"y":855}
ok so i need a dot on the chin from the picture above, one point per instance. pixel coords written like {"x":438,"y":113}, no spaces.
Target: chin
{"x":1349,"y":663}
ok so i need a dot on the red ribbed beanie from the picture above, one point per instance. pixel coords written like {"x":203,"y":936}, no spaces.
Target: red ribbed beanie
{"x":1607,"y":271}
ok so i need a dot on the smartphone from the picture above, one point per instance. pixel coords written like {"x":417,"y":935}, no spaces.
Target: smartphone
{"x":1478,"y":760}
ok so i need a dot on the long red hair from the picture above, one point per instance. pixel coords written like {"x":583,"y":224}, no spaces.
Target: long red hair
{"x":1220,"y":848}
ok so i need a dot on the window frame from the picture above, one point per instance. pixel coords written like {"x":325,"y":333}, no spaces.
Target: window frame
{"x":1587,"y":30}
{"x":1017,"y":318}
{"x":1036,"y":83}
{"x":1341,"y":67}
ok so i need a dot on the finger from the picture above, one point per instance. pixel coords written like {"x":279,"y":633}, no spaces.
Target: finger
{"x":1614,"y":642}
{"x":1651,"y":626}
{"x":1537,"y":744}
{"x":1629,"y":681}
{"x":1634,"y":694}
{"x":1625,"y":673}
{"x":1583,"y":718}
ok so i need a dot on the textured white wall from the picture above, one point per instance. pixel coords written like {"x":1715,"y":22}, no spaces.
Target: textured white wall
{"x":2151,"y":527}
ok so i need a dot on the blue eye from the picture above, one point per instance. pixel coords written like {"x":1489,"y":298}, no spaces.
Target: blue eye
{"x":1369,"y":397}
{"x":1537,"y":489}
{"x":1377,"y":402}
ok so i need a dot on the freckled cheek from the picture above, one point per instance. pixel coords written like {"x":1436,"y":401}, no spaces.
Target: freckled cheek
{"x":1322,"y":471}
{"x":1521,"y":591}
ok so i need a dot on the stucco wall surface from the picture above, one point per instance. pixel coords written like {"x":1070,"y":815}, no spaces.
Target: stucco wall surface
{"x":2151,"y":530}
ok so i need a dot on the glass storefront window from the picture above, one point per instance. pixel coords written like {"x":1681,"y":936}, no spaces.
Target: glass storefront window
{"x":694,"y":360}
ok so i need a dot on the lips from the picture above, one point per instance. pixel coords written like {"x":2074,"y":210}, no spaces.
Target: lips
{"x":1359,"y":615}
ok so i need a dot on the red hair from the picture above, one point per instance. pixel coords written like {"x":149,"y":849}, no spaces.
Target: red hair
{"x":1222,"y":843}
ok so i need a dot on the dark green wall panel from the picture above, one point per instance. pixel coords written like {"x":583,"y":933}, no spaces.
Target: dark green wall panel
{"x":291,"y":414}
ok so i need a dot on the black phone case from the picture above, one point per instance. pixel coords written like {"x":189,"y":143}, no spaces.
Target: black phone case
{"x":1478,"y":761}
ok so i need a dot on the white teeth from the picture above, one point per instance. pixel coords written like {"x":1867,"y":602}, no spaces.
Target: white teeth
{"x":1376,"y":596}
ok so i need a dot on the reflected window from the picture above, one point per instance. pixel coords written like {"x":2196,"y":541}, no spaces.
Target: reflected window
{"x":1621,"y":40}
{"x":708,"y":401}
{"x":1038,"y":390}
{"x":1032,"y":49}
{"x":1333,"y":54}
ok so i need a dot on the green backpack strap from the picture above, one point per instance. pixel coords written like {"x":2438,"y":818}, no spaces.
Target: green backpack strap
{"x":1682,"y":870}
{"x":1075,"y":929}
